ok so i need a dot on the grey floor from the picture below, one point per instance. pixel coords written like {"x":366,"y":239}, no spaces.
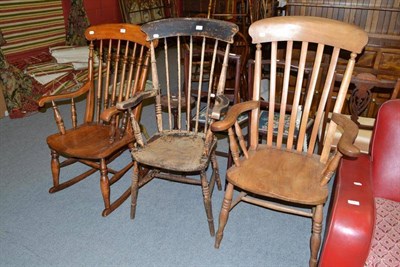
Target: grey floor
{"x":170,"y":229}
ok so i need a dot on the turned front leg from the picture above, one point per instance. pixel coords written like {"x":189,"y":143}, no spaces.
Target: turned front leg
{"x":105,"y":186}
{"x":316,"y":234}
{"x":207,"y":202}
{"x":224,"y":214}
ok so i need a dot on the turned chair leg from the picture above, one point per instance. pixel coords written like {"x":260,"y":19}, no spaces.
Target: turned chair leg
{"x":224,"y":214}
{"x":134,"y":189}
{"x":55,"y":170}
{"x":216,"y":176}
{"x":105,"y":187}
{"x":315,"y":241}
{"x":207,"y":202}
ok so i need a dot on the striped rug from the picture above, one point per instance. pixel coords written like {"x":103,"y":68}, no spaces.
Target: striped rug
{"x":31,"y":25}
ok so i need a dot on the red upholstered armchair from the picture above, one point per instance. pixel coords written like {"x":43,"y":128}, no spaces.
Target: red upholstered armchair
{"x":363,"y":227}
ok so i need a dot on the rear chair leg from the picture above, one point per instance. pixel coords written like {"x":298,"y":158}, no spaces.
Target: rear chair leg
{"x":134,"y":189}
{"x":55,"y":170}
{"x":215,"y":167}
{"x":207,"y":202}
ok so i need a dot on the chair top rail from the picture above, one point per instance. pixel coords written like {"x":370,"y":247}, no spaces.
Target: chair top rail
{"x":121,"y":31}
{"x":202,"y":27}
{"x":309,"y":29}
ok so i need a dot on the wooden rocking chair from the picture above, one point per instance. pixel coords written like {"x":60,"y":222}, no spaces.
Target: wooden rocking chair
{"x":118,"y":66}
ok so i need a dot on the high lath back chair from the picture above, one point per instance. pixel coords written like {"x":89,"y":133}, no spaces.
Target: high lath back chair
{"x":118,"y":65}
{"x":279,"y":171}
{"x":176,"y":154}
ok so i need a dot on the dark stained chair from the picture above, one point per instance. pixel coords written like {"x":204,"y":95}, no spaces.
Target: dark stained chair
{"x":118,"y":66}
{"x":178,"y":154}
{"x":277,"y":174}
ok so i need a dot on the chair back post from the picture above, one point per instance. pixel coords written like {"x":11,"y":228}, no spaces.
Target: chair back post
{"x":338,"y":106}
{"x":256,"y":96}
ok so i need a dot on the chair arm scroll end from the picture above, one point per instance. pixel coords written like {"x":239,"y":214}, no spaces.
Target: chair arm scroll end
{"x":136,"y":99}
{"x":107,"y":114}
{"x":48,"y":98}
{"x":220,"y":107}
{"x":350,"y":131}
{"x":233,"y":114}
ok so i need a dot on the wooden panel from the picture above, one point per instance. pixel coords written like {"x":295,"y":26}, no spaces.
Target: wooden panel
{"x":380,"y":18}
{"x":375,"y":16}
{"x":389,"y":60}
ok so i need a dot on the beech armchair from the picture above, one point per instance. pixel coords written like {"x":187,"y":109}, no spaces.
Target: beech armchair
{"x":277,"y":174}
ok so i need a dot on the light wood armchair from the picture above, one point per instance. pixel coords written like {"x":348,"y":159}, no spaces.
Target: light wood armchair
{"x":277,"y":174}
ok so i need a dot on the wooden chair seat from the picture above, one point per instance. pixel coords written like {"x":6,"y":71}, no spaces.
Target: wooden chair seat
{"x":79,"y":142}
{"x":165,"y":150}
{"x":278,"y":180}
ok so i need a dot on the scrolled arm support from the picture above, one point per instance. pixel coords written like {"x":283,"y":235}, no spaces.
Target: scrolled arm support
{"x":136,"y":99}
{"x":45,"y":99}
{"x":233,"y":114}
{"x":345,"y":146}
{"x":350,"y":131}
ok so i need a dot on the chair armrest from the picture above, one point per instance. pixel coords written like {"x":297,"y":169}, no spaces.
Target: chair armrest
{"x":136,"y":99}
{"x":350,"y":131}
{"x":351,"y":216}
{"x":108,"y":113}
{"x":77,"y":93}
{"x":220,"y":107}
{"x":233,"y":114}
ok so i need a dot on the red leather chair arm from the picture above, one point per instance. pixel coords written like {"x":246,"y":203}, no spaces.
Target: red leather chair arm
{"x":351,"y":218}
